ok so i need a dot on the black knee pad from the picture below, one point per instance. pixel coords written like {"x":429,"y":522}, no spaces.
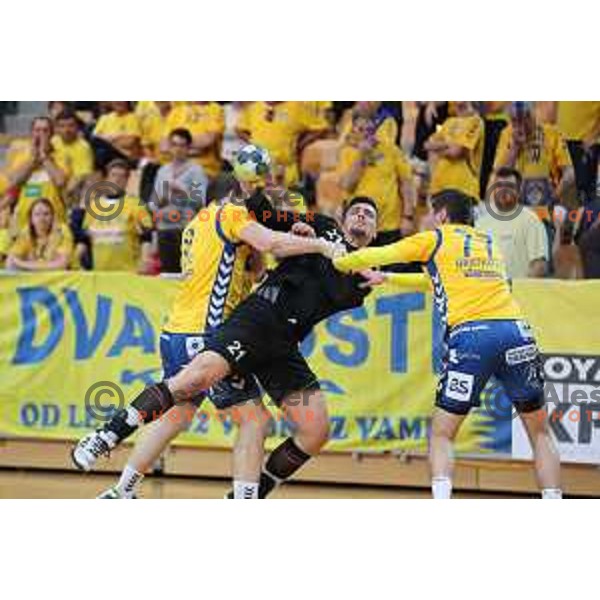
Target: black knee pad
{"x":154,"y":401}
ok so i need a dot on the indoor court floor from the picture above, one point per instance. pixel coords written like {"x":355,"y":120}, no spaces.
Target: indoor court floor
{"x":57,"y":484}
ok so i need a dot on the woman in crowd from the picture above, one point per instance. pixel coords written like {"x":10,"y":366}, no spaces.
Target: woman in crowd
{"x":44,"y":244}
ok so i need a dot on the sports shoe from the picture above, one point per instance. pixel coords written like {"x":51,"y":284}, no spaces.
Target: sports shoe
{"x":91,"y":448}
{"x":114,"y":494}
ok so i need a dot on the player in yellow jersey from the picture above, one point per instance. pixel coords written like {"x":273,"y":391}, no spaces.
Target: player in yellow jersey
{"x":215,"y":248}
{"x":486,"y":334}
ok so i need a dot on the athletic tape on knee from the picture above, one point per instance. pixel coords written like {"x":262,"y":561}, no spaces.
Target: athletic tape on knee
{"x":154,"y":401}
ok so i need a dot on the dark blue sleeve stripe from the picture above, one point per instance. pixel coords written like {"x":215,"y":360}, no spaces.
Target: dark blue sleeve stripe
{"x":220,"y":231}
{"x":438,"y":243}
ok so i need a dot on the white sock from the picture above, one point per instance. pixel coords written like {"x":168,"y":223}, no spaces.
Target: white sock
{"x":245,"y":490}
{"x":110,"y":437}
{"x":130,"y":478}
{"x":441,"y":487}
{"x":551,"y":494}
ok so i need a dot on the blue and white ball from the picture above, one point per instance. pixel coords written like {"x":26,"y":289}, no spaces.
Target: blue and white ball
{"x":251,"y":164}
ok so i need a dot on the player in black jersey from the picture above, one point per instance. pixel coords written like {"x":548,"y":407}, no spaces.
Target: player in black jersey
{"x":262,"y":337}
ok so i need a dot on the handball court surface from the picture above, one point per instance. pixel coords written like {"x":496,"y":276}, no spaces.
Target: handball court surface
{"x":36,"y":469}
{"x":53,"y":484}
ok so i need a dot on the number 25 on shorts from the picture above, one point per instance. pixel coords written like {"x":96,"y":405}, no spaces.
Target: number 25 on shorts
{"x":459,"y":386}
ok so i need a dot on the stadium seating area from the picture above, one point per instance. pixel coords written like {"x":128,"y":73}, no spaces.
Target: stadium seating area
{"x":55,"y":156}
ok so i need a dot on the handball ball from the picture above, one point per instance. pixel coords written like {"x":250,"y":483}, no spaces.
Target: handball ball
{"x":251,"y":163}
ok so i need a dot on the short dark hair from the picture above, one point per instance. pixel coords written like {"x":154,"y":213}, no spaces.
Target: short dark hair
{"x":42,"y":118}
{"x":183,"y":133}
{"x":117,"y":163}
{"x":458,"y":205}
{"x":359,"y":200}
{"x":66,"y":115}
{"x":224,"y":186}
{"x":510,"y":172}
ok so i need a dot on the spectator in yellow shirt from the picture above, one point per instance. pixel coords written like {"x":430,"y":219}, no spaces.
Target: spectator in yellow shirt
{"x":37,"y":171}
{"x":206,"y":122}
{"x":385,"y":123}
{"x":5,"y":185}
{"x":75,"y":151}
{"x":155,"y":132}
{"x":155,"y":143}
{"x":5,"y":233}
{"x":579,"y":123}
{"x":455,"y":152}
{"x":539,"y":153}
{"x":44,"y":244}
{"x":379,"y":170}
{"x":145,"y":109}
{"x":282,"y":128}
{"x":429,"y":115}
{"x":121,"y":129}
{"x":122,"y":242}
{"x":321,"y":111}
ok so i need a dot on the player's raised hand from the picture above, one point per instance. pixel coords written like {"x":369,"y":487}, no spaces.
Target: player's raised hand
{"x":303,"y":229}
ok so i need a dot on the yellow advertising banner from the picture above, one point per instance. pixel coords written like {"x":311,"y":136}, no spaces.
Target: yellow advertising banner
{"x":73,"y":341}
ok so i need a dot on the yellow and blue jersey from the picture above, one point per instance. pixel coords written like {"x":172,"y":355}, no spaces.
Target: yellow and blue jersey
{"x":465,"y":266}
{"x":487,"y":335}
{"x":213,"y":261}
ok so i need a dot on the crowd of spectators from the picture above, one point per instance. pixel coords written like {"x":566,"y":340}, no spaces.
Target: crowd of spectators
{"x":531,"y":169}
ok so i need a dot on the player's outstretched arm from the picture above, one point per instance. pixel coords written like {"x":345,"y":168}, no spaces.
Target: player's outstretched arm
{"x":415,"y":281}
{"x":367,"y":258}
{"x":415,"y":248}
{"x":285,"y":244}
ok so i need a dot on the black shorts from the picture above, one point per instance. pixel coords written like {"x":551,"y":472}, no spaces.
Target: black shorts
{"x":178,"y":349}
{"x":256,"y":340}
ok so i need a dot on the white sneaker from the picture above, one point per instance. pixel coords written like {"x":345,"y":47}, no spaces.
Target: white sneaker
{"x":91,"y":448}
{"x":114,"y":494}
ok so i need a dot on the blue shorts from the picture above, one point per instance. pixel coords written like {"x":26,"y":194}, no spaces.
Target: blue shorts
{"x":178,"y":349}
{"x":479,"y":350}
